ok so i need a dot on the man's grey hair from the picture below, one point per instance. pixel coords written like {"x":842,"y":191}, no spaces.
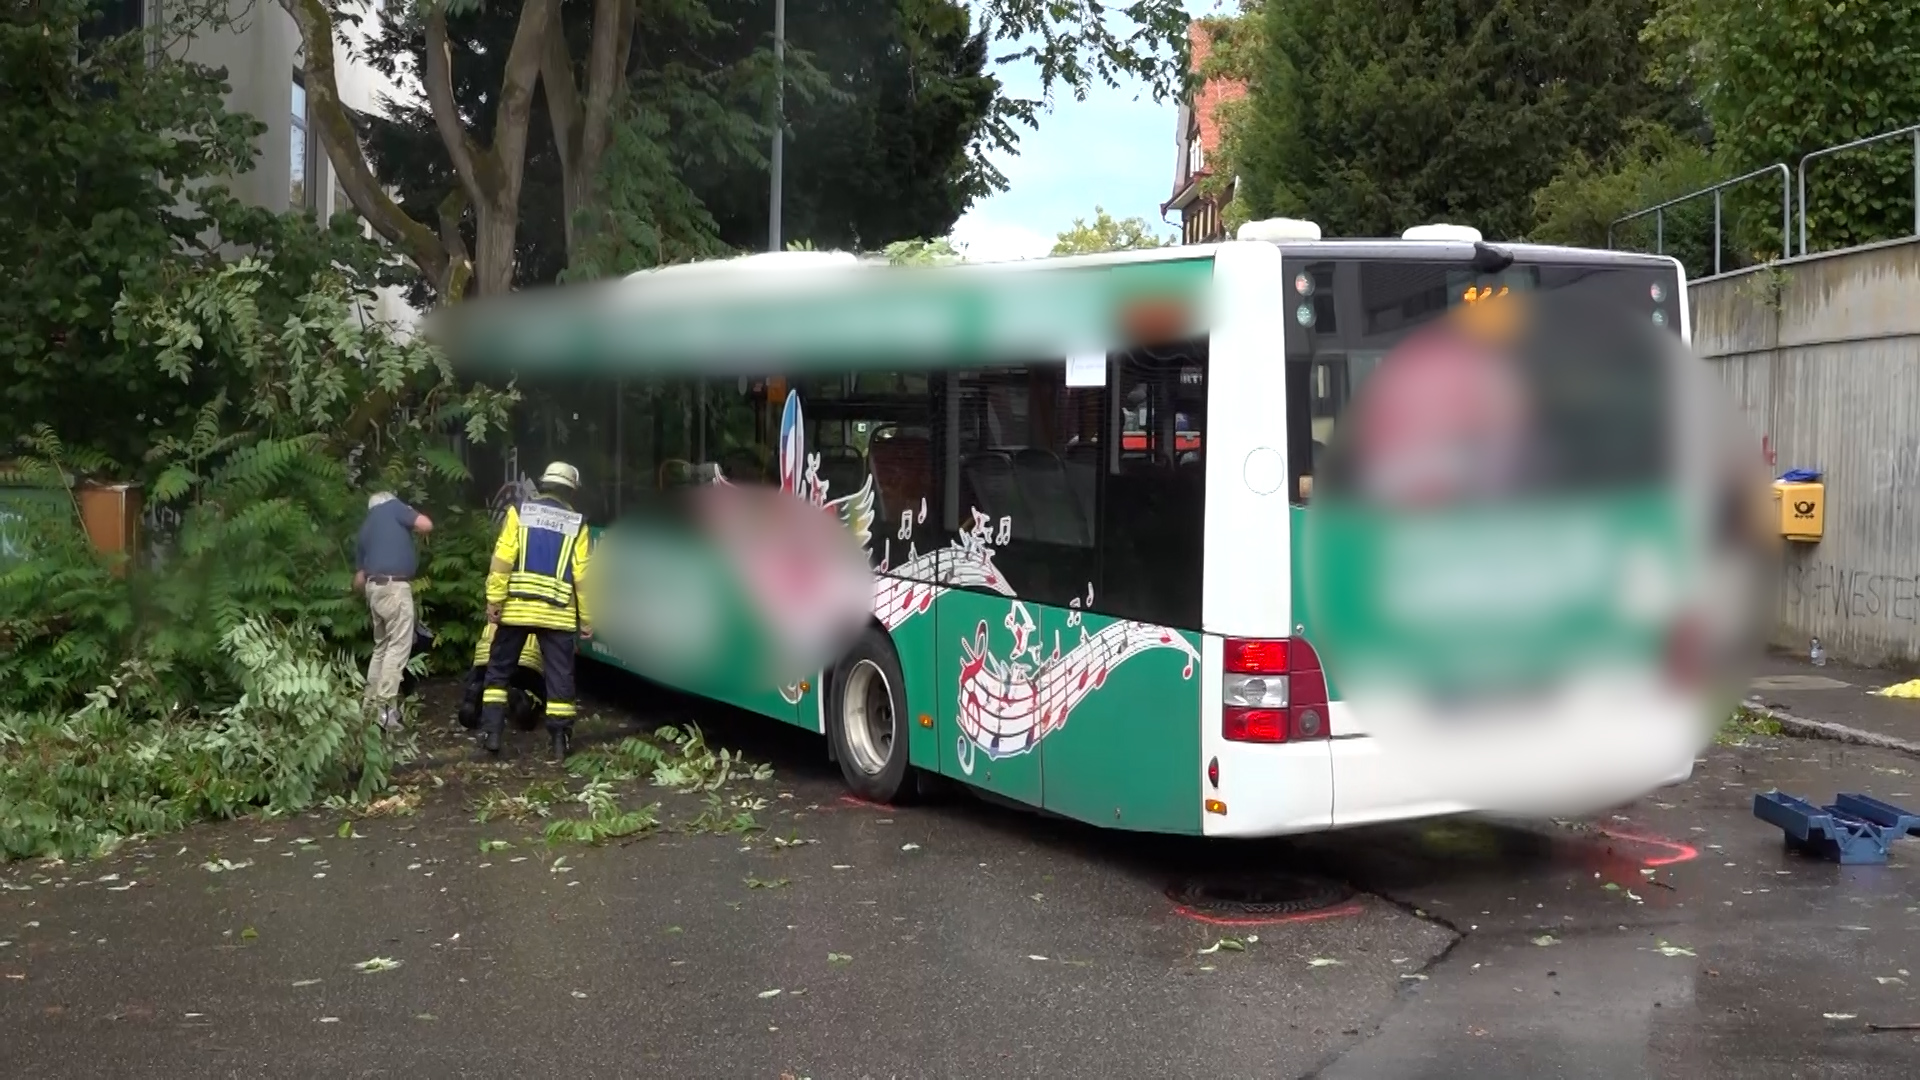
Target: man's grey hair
{"x":379,"y":497}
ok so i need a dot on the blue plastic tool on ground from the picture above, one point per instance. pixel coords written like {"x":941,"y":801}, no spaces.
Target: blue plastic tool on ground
{"x":1855,"y":829}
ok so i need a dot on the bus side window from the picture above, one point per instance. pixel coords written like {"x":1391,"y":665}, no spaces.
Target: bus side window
{"x":1153,"y":508}
{"x":1024,"y":451}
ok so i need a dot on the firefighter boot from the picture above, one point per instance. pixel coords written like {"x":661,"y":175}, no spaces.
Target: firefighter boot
{"x":561,"y":744}
{"x":493,"y":724}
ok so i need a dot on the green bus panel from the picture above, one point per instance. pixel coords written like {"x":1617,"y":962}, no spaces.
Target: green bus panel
{"x":1127,"y":755}
{"x":975,"y":655}
{"x":915,"y":643}
{"x":733,"y":690}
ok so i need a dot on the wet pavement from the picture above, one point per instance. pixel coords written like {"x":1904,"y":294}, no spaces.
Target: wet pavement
{"x":1838,"y":694}
{"x":1674,"y":938}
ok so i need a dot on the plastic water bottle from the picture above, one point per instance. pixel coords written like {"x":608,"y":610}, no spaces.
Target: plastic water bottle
{"x":1817,"y":654}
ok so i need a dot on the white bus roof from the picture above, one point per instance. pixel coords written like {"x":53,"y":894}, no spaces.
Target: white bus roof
{"x":795,"y":310}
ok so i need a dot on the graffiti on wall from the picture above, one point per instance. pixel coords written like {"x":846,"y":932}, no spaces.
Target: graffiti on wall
{"x":1895,"y":468}
{"x":1847,"y":593}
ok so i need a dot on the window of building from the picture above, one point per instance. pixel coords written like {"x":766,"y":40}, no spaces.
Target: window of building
{"x":339,"y":203}
{"x":300,"y":190}
{"x":112,"y":18}
{"x":1196,"y":156}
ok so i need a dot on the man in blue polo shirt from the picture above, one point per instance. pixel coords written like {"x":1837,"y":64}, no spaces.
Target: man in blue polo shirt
{"x":384,"y":565}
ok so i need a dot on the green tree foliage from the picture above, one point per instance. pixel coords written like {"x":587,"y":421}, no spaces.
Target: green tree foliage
{"x":1783,"y":79}
{"x":1579,"y":204}
{"x":268,"y":489}
{"x":260,"y":403}
{"x":894,"y":153}
{"x":1105,"y":233}
{"x":222,"y":672}
{"x":272,"y":481}
{"x":112,"y":177}
{"x":1074,"y":47}
{"x":917,"y":252}
{"x":882,"y":122}
{"x":1370,"y":117}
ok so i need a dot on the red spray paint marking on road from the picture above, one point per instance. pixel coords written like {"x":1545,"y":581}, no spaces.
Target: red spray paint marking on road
{"x":858,"y":803}
{"x":1345,"y":910}
{"x":1625,"y":857}
{"x":1672,"y":851}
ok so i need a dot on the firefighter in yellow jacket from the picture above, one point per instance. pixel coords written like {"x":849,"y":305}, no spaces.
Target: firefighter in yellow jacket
{"x":533,"y":590}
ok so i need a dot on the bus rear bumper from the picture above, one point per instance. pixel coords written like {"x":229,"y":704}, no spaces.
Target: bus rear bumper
{"x":1591,"y":750}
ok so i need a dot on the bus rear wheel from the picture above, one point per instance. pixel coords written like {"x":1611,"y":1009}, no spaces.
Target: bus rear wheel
{"x":868,"y":721}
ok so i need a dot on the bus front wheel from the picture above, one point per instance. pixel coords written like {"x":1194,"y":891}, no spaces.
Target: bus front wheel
{"x":869,"y":720}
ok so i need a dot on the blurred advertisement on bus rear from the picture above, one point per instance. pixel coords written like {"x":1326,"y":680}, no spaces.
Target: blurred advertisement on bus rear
{"x":1533,"y":511}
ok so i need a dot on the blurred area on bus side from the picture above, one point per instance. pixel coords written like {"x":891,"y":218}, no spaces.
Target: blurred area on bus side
{"x":719,"y":584}
{"x":794,"y":315}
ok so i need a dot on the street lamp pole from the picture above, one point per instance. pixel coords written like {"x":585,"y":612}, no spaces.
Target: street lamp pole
{"x":779,"y":120}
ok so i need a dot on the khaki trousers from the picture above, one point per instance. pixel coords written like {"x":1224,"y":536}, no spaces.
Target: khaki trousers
{"x":392,"y":608}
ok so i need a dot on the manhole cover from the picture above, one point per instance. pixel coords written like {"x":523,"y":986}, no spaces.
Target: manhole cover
{"x":1264,"y":895}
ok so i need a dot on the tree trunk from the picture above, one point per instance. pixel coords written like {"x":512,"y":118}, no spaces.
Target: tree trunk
{"x":490,"y":175}
{"x":441,"y":262}
{"x":496,"y":228}
{"x":583,"y":125}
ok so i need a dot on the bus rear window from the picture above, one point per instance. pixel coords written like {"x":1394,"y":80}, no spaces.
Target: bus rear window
{"x":1599,"y":402}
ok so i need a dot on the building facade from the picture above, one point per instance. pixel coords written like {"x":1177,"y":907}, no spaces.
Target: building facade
{"x":261,"y":53}
{"x":1197,"y":143}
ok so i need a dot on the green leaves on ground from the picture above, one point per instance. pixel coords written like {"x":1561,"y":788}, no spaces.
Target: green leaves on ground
{"x":134,"y":759}
{"x":671,"y":757}
{"x":1743,"y":724}
{"x":604,"y":819}
{"x":535,"y":802}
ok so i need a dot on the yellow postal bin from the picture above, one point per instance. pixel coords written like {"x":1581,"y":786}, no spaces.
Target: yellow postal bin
{"x":1803,"y":509}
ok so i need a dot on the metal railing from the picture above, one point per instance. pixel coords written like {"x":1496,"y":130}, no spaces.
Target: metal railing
{"x":1659,"y":211}
{"x":1913,"y":130}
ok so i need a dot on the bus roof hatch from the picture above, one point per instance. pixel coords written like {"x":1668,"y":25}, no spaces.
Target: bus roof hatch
{"x":1277,"y":230}
{"x":1458,"y":233}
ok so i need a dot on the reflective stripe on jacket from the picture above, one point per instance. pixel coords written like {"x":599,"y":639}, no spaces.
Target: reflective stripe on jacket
{"x":538,"y":564}
{"x":530,"y":657}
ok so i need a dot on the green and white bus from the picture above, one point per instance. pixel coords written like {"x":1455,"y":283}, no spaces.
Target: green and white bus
{"x":1105,"y":587}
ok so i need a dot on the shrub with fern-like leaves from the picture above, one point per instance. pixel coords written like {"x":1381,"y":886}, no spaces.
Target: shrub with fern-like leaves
{"x":63,"y":613}
{"x":271,"y":485}
{"x":451,"y":590}
{"x":137,"y":758}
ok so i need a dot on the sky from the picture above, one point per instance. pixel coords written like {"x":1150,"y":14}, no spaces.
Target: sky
{"x":1115,"y":149}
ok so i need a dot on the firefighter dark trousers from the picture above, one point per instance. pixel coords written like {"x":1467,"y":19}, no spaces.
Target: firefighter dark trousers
{"x":556,"y":652}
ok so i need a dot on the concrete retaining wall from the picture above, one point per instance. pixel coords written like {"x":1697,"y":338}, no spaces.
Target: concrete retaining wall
{"x":1823,"y":353}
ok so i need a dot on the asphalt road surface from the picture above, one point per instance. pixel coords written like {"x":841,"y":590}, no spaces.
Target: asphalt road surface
{"x":1674,"y":939}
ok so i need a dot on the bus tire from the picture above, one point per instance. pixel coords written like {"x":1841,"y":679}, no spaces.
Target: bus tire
{"x":867,"y":720}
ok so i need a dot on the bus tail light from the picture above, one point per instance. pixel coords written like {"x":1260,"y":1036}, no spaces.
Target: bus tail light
{"x":1273,"y":691}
